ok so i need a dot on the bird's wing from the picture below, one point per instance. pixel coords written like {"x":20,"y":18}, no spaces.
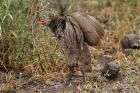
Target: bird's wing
{"x":91,"y":28}
{"x":72,"y":32}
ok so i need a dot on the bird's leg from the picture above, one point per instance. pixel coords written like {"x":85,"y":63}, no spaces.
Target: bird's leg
{"x":83,"y":73}
{"x":85,"y":68}
{"x":69,"y":75}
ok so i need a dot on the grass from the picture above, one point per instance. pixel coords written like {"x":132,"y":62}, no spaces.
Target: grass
{"x":32,"y":56}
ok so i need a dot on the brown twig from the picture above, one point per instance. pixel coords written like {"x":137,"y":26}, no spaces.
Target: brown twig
{"x":34,"y":21}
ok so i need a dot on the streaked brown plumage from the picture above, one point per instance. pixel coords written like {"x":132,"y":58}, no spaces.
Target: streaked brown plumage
{"x":74,"y":32}
{"x":91,"y":28}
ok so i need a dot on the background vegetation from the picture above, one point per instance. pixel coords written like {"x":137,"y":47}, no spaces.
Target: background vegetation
{"x":29,"y":51}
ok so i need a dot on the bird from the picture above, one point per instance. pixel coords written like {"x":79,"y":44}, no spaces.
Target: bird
{"x":74,"y":33}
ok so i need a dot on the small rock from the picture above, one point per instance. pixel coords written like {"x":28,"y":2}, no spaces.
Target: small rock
{"x":131,"y":41}
{"x":110,"y":70}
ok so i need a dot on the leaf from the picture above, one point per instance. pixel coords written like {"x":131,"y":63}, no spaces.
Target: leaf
{"x":11,"y":17}
{"x":6,"y":17}
{"x":0,"y":29}
{"x":0,"y":32}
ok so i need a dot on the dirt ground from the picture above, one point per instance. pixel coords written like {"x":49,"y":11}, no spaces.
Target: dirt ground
{"x":127,"y":81}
